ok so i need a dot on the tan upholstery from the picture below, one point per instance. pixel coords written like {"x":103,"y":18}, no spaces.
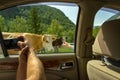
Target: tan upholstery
{"x":108,"y":40}
{"x":107,"y":43}
{"x":99,"y":71}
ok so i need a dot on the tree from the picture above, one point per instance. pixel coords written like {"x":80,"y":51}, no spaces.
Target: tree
{"x":19,"y":24}
{"x":95,"y":30}
{"x":2,"y":24}
{"x":55,"y":28}
{"x":34,"y":21}
{"x":71,"y":35}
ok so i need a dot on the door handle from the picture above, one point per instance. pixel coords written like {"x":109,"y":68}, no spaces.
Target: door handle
{"x":67,"y":65}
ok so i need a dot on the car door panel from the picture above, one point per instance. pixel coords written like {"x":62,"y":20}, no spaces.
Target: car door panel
{"x":60,"y":66}
{"x":8,"y":67}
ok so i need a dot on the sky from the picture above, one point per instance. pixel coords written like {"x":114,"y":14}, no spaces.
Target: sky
{"x":101,"y":17}
{"x":72,"y":12}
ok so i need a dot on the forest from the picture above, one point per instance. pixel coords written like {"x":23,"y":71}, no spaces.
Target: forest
{"x":40,"y":19}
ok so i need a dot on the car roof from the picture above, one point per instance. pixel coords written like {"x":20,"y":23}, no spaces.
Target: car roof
{"x":9,"y":3}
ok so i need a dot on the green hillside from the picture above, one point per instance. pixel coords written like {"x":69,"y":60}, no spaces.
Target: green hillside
{"x":46,"y":14}
{"x":40,"y":19}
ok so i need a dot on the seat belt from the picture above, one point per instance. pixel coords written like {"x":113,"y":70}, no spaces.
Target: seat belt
{"x":89,"y":40}
{"x":111,"y":61}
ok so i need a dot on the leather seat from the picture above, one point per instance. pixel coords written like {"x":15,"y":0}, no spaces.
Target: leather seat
{"x":107,"y":44}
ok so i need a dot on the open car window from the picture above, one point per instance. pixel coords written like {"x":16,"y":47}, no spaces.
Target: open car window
{"x":104,"y":14}
{"x":50,"y":27}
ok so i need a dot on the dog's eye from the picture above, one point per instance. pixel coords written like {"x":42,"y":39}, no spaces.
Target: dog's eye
{"x":47,"y":41}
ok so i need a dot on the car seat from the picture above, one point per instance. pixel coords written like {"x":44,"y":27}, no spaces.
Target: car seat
{"x":106,"y":45}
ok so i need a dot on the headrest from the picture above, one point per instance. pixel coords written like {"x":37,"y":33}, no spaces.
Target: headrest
{"x":108,"y":40}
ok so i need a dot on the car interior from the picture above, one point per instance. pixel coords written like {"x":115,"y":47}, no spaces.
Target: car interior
{"x":108,"y":67}
{"x":95,"y":40}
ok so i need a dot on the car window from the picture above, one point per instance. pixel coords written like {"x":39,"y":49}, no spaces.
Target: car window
{"x":104,"y":14}
{"x":50,"y":27}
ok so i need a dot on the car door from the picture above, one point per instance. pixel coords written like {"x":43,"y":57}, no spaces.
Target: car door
{"x":58,"y":18}
{"x":57,"y":67}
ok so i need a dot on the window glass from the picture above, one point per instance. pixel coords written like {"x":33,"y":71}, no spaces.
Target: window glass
{"x":104,"y":14}
{"x":49,"y":27}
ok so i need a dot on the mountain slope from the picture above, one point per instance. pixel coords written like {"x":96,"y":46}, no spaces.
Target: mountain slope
{"x":46,"y":14}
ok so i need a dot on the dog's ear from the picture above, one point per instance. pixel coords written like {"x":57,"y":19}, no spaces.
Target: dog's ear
{"x":44,"y":38}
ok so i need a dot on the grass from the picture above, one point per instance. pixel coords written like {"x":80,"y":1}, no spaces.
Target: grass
{"x":61,"y":50}
{"x":65,"y":50}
